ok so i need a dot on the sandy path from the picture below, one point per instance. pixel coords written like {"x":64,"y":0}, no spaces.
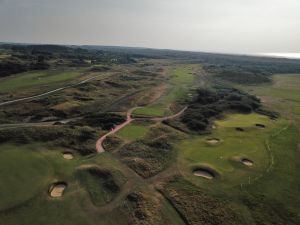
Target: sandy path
{"x":99,"y":143}
{"x":169,"y":117}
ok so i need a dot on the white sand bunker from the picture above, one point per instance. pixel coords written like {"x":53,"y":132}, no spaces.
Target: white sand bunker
{"x":247,"y":162}
{"x":57,"y":189}
{"x":68,"y":155}
{"x":205,"y":172}
{"x":212,"y":141}
{"x":260,"y":125}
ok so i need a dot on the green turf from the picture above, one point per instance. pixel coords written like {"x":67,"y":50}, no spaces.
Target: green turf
{"x":280,"y":185}
{"x":133,"y":131}
{"x":23,"y":174}
{"x":250,"y":144}
{"x":26,"y":173}
{"x":30,"y":79}
{"x":181,"y":80}
{"x":150,"y":111}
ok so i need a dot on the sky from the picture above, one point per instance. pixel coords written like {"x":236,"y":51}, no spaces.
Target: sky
{"x":227,"y":26}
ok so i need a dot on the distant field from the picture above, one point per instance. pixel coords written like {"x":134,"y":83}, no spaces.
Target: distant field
{"x":31,"y":79}
{"x":285,"y":86}
{"x":283,"y":94}
{"x":181,"y":80}
{"x":4,"y":56}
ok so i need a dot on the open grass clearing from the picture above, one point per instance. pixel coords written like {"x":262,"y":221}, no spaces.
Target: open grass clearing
{"x":34,"y":78}
{"x":283,"y":94}
{"x":180,"y":81}
{"x":134,"y":131}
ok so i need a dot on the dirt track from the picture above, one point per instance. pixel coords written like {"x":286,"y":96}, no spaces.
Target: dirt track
{"x":99,"y":143}
{"x":47,"y":93}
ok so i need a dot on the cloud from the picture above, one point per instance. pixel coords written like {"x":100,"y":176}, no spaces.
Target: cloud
{"x":210,"y":25}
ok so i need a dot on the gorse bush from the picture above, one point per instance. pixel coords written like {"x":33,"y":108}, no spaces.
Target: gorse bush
{"x":212,"y":103}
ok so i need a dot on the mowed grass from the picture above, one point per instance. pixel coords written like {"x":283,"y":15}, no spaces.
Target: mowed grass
{"x":150,"y":111}
{"x":133,"y":131}
{"x":34,"y":78}
{"x":23,"y":174}
{"x":233,"y":144}
{"x":181,"y":80}
{"x":26,"y":173}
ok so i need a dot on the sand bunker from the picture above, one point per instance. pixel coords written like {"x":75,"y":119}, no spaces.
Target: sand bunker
{"x":239,"y":129}
{"x":212,"y":141}
{"x":205,"y":172}
{"x":57,"y":189}
{"x":247,"y":162}
{"x":260,"y":125}
{"x":68,"y":155}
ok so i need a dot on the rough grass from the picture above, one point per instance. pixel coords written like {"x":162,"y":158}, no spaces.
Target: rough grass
{"x":196,"y":207}
{"x":283,"y":94}
{"x":180,"y":80}
{"x":152,"y":154}
{"x":30,"y":79}
{"x":101,"y":184}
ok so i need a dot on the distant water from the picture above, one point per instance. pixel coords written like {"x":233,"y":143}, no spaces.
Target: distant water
{"x":282,"y":55}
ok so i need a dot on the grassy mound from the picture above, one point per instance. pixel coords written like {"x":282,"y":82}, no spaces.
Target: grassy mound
{"x":101,"y":184}
{"x":151,"y":155}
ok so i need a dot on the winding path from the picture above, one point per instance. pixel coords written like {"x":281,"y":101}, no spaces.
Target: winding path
{"x":160,"y":119}
{"x":129,"y":119}
{"x":99,"y":143}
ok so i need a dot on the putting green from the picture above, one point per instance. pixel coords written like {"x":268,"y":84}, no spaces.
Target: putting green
{"x":233,"y":144}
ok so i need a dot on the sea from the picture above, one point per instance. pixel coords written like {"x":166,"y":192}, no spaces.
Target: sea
{"x":282,"y":55}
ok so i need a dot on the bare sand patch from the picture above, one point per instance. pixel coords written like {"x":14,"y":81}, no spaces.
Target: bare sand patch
{"x":247,"y":162}
{"x":68,"y":155}
{"x":57,"y":189}
{"x":212,"y":141}
{"x":205,"y":172}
